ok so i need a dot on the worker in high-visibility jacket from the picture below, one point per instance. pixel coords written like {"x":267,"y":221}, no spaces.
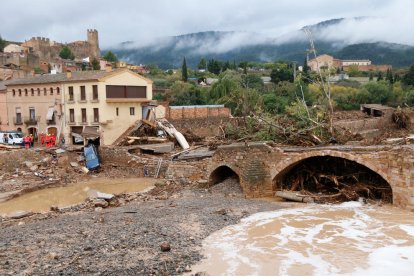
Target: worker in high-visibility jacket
{"x":26,"y":141}
{"x":47,"y":140}
{"x":42,"y":138}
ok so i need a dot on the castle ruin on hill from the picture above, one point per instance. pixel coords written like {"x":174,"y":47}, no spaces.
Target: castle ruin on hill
{"x":47,"y":49}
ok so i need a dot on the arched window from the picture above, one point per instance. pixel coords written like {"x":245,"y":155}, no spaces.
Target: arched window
{"x":57,"y":91}
{"x":51,"y":90}
{"x":44,"y":91}
{"x":14,"y":93}
{"x":20,"y":92}
{"x":38,"y":91}
{"x":25,"y":92}
{"x":32,"y":92}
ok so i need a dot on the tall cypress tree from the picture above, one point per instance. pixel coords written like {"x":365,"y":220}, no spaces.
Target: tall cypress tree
{"x":184,"y":73}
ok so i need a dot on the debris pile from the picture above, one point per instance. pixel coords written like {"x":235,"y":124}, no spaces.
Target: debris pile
{"x":331,"y":181}
{"x":401,"y":119}
{"x":152,"y":132}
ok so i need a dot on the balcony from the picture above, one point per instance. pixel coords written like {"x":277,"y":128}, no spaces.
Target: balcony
{"x":82,"y":120}
{"x":17,"y":120}
{"x":31,"y":120}
{"x":51,"y":122}
{"x":94,"y":120}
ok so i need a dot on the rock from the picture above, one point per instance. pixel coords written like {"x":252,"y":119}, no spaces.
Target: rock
{"x":34,"y":168}
{"x":99,"y":195}
{"x":45,"y":160}
{"x":221,"y":212}
{"x":202,"y":181}
{"x":165,"y":247}
{"x":202,"y":274}
{"x":85,"y":170}
{"x":100,"y":203}
{"x":53,"y":256}
{"x":28,"y":164}
{"x":187,"y":269}
{"x":20,"y":214}
{"x":81,"y":158}
{"x":74,"y":164}
{"x":58,"y":151}
{"x":98,"y":209}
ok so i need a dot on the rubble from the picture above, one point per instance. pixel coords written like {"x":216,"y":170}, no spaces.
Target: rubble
{"x":165,"y":247}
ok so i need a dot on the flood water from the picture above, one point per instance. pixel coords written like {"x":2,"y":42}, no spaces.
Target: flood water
{"x":346,"y":239}
{"x":42,"y":200}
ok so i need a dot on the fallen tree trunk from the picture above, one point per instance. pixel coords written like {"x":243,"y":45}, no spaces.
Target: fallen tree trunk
{"x":293,"y":196}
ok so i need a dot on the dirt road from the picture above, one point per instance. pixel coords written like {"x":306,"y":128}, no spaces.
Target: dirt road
{"x":124,"y":240}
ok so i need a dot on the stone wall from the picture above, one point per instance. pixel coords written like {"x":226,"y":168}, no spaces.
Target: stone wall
{"x":202,"y":127}
{"x":381,"y":123}
{"x":191,"y":112}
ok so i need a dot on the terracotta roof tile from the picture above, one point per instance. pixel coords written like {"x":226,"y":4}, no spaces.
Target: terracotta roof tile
{"x":62,"y":77}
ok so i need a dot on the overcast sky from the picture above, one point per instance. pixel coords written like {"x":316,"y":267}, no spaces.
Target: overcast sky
{"x":139,"y":20}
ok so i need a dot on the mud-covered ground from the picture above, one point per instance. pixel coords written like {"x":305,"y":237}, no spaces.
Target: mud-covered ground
{"x":124,"y":240}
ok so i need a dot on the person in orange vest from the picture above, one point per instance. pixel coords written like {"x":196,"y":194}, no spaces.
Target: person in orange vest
{"x":26,"y":141}
{"x":31,"y":140}
{"x":47,"y":139}
{"x":53,"y":140}
{"x":42,"y":138}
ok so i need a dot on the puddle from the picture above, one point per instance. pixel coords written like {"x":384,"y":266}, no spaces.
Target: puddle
{"x":346,"y":239}
{"x":42,"y":200}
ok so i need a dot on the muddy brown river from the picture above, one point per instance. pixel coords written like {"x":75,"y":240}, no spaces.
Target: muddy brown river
{"x":42,"y":200}
{"x":347,"y":239}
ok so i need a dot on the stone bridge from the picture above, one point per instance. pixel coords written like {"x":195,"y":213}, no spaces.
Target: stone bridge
{"x":261,"y":166}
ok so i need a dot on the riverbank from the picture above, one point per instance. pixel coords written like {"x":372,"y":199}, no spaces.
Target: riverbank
{"x":123,"y":240}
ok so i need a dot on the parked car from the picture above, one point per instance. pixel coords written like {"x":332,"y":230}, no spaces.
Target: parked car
{"x":11,"y":138}
{"x":92,"y":160}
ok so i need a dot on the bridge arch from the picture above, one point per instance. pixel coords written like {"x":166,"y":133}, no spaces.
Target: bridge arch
{"x":327,"y":160}
{"x":222,"y":172}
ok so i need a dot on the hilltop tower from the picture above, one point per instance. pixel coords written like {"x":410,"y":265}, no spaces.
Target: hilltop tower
{"x":93,"y":41}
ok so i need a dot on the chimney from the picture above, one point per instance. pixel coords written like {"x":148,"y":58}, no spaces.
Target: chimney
{"x":69,"y":74}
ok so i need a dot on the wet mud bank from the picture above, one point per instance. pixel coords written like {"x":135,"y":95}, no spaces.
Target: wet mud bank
{"x":123,"y":240}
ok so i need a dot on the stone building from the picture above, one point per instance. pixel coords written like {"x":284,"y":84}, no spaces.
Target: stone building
{"x":107,"y":103}
{"x":34,"y":105}
{"x":4,"y":120}
{"x":103,"y":104}
{"x":329,"y":62}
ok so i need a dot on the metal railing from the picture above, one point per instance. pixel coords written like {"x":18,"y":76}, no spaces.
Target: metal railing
{"x":31,"y":120}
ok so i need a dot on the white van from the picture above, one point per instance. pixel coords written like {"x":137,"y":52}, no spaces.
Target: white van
{"x":11,"y":138}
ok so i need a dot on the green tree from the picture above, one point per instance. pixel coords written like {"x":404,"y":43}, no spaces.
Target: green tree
{"x":379,"y":92}
{"x":389,"y":76}
{"x":202,"y":64}
{"x":95,"y":64}
{"x":3,"y":44}
{"x":228,"y":82}
{"x":282,"y":73}
{"x":110,"y":56}
{"x":214,"y":66}
{"x":184,"y":72}
{"x":252,"y":81}
{"x":380,"y":77}
{"x":408,"y":78}
{"x":243,"y":65}
{"x":66,"y":53}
